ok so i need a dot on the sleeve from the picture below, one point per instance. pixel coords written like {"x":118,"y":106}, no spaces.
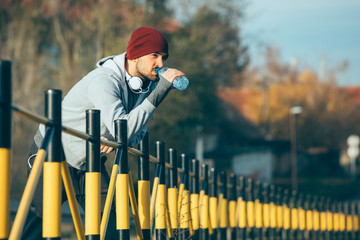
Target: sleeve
{"x":106,"y":95}
{"x":160,"y":92}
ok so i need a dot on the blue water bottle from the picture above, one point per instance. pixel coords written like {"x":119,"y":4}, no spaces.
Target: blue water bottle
{"x":180,"y":83}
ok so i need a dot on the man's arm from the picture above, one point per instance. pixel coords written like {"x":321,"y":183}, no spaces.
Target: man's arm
{"x":106,"y":94}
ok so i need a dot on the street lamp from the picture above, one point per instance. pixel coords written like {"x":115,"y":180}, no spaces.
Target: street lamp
{"x":353,"y":142}
{"x":296,"y":110}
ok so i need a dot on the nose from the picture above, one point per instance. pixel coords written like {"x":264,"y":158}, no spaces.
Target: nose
{"x":159,"y":62}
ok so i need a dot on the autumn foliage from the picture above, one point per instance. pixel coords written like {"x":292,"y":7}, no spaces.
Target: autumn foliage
{"x":330,"y":112}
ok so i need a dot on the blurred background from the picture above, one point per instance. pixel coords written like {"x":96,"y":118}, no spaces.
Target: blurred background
{"x":274,"y":85}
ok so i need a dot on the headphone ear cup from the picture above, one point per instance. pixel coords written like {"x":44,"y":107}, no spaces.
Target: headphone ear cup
{"x":135,"y":83}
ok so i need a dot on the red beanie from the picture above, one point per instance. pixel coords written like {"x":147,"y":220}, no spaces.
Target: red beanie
{"x":146,"y":40}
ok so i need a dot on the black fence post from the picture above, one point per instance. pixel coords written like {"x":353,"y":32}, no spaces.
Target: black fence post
{"x":335,"y":213}
{"x":250,"y":209}
{"x":302,"y":216}
{"x":92,"y":176}
{"x":286,"y":214}
{"x":223,"y":206}
{"x":52,"y":169}
{"x":160,"y":205}
{"x":184,"y":205}
{"x":279,"y":213}
{"x":357,"y":220}
{"x":294,"y":215}
{"x":5,"y":146}
{"x":314,"y":233}
{"x":241,"y":207}
{"x":204,"y":203}
{"x":258,"y":210}
{"x":265,"y":200}
{"x":194,"y":198}
{"x":348,"y":221}
{"x":272,"y":206}
{"x":213,"y":203}
{"x":122,"y":183}
{"x":144,"y":187}
{"x":330,"y":218}
{"x":232,"y":206}
{"x":173,"y":191}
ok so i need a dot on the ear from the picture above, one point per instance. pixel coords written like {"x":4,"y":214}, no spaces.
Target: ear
{"x":130,"y":65}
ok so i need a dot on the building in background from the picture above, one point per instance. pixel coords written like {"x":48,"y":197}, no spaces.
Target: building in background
{"x":239,"y":146}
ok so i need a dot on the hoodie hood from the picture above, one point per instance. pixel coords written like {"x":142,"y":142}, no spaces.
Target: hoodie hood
{"x":115,"y":63}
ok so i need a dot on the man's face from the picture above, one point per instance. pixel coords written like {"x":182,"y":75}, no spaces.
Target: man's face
{"x":146,"y":65}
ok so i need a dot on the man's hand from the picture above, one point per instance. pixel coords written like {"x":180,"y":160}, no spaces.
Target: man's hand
{"x":105,"y":149}
{"x":171,"y":74}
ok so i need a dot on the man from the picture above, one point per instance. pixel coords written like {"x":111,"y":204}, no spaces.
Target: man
{"x":125,"y":86}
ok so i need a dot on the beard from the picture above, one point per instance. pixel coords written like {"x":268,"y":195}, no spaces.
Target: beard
{"x":144,"y":73}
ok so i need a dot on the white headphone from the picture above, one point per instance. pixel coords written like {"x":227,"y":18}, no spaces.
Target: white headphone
{"x":135,"y":83}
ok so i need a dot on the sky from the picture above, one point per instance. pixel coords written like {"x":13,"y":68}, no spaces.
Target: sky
{"x":320,"y":34}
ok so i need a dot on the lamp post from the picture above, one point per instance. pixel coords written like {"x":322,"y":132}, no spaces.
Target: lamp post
{"x":353,"y":142}
{"x":296,"y":110}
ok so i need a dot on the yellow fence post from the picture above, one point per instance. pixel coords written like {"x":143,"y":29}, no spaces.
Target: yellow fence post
{"x":92,"y":176}
{"x":184,"y":205}
{"x":144,"y":187}
{"x":5,"y":147}
{"x":273,"y":213}
{"x":213,"y":203}
{"x":172,"y":193}
{"x":122,"y":183}
{"x":250,"y":210}
{"x":205,"y":226}
{"x":232,"y":206}
{"x":52,"y":169}
{"x":160,"y":203}
{"x":194,"y":198}
{"x":241,"y":208}
{"x":223,"y":206}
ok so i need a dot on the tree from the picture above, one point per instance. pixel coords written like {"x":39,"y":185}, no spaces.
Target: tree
{"x":329,"y":112}
{"x":23,"y":37}
{"x":53,"y":44}
{"x":208,"y":49}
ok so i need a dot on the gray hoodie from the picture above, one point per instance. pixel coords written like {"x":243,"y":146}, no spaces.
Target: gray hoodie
{"x":105,"y":88}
